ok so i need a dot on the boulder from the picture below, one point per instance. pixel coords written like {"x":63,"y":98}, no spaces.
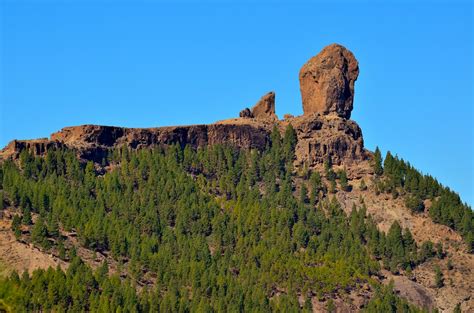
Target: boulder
{"x":327,"y":82}
{"x":264,"y":109}
{"x":246,"y":113}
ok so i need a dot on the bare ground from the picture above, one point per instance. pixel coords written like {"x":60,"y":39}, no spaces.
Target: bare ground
{"x":22,"y":257}
{"x":459,"y":281}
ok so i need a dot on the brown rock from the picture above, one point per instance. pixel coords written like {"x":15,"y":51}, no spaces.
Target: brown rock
{"x":327,"y":82}
{"x":92,"y":142}
{"x":246,"y":113}
{"x":322,"y":136}
{"x":265,"y":108}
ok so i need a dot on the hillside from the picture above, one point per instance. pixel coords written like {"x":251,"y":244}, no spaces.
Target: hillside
{"x":247,"y":214}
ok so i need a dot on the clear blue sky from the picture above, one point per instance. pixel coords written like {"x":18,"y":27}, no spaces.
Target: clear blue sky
{"x":142,"y":64}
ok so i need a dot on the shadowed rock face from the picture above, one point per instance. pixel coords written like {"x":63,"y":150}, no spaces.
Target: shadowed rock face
{"x":91,"y":142}
{"x":322,"y":136}
{"x":327,"y":82}
{"x":318,"y":136}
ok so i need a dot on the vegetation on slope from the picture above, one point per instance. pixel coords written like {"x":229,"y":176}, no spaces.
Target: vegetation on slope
{"x":399,"y":177}
{"x":217,"y":229}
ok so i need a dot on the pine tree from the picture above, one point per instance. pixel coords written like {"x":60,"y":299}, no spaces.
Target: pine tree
{"x":439,"y":250}
{"x":377,"y":162}
{"x":439,"y":281}
{"x":290,"y":140}
{"x":332,"y":185}
{"x":26,"y":219}
{"x":316,"y":186}
{"x":39,"y":232}
{"x":343,"y":180}
{"x":16,"y":226}
{"x":328,"y":167}
{"x":303,"y":194}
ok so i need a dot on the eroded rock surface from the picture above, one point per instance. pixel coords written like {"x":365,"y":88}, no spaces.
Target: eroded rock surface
{"x":323,"y":136}
{"x":93,"y":141}
{"x":265,"y":108}
{"x":327,"y":82}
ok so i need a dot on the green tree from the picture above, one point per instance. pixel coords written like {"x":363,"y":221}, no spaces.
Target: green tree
{"x":343,"y":180}
{"x":439,"y":280}
{"x":415,"y":204}
{"x":303,"y":194}
{"x":16,"y":226}
{"x":26,"y":219}
{"x":377,"y":162}
{"x":439,"y":250}
{"x":39,"y":233}
{"x":328,"y":167}
{"x":290,"y":140}
{"x":316,"y":187}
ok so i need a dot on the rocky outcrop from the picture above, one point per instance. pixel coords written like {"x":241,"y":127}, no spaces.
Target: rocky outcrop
{"x":327,"y":82}
{"x":327,"y":86}
{"x":265,"y":108}
{"x":323,"y":136}
{"x":246,"y":113}
{"x":318,"y":137}
{"x":93,"y":141}
{"x":36,"y":146}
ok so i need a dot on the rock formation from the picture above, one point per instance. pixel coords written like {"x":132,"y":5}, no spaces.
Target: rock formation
{"x":91,"y":142}
{"x":327,"y":82}
{"x":322,"y":136}
{"x":264,"y":109}
{"x":327,"y":86}
{"x":246,"y":113}
{"x":327,"y":89}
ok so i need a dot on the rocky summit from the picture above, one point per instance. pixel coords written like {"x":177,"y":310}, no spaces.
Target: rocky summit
{"x":327,"y":87}
{"x":292,"y":215}
{"x":327,"y":82}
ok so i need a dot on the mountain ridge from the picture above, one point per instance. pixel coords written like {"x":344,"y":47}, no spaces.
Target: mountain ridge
{"x":322,"y":140}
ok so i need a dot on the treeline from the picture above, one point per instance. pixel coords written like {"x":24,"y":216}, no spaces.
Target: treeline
{"x":399,"y":177}
{"x":214,"y":229}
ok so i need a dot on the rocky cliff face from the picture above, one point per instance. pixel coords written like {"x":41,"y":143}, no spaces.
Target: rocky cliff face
{"x":321,"y":136}
{"x":318,"y":137}
{"x":327,"y":86}
{"x":92,"y":141}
